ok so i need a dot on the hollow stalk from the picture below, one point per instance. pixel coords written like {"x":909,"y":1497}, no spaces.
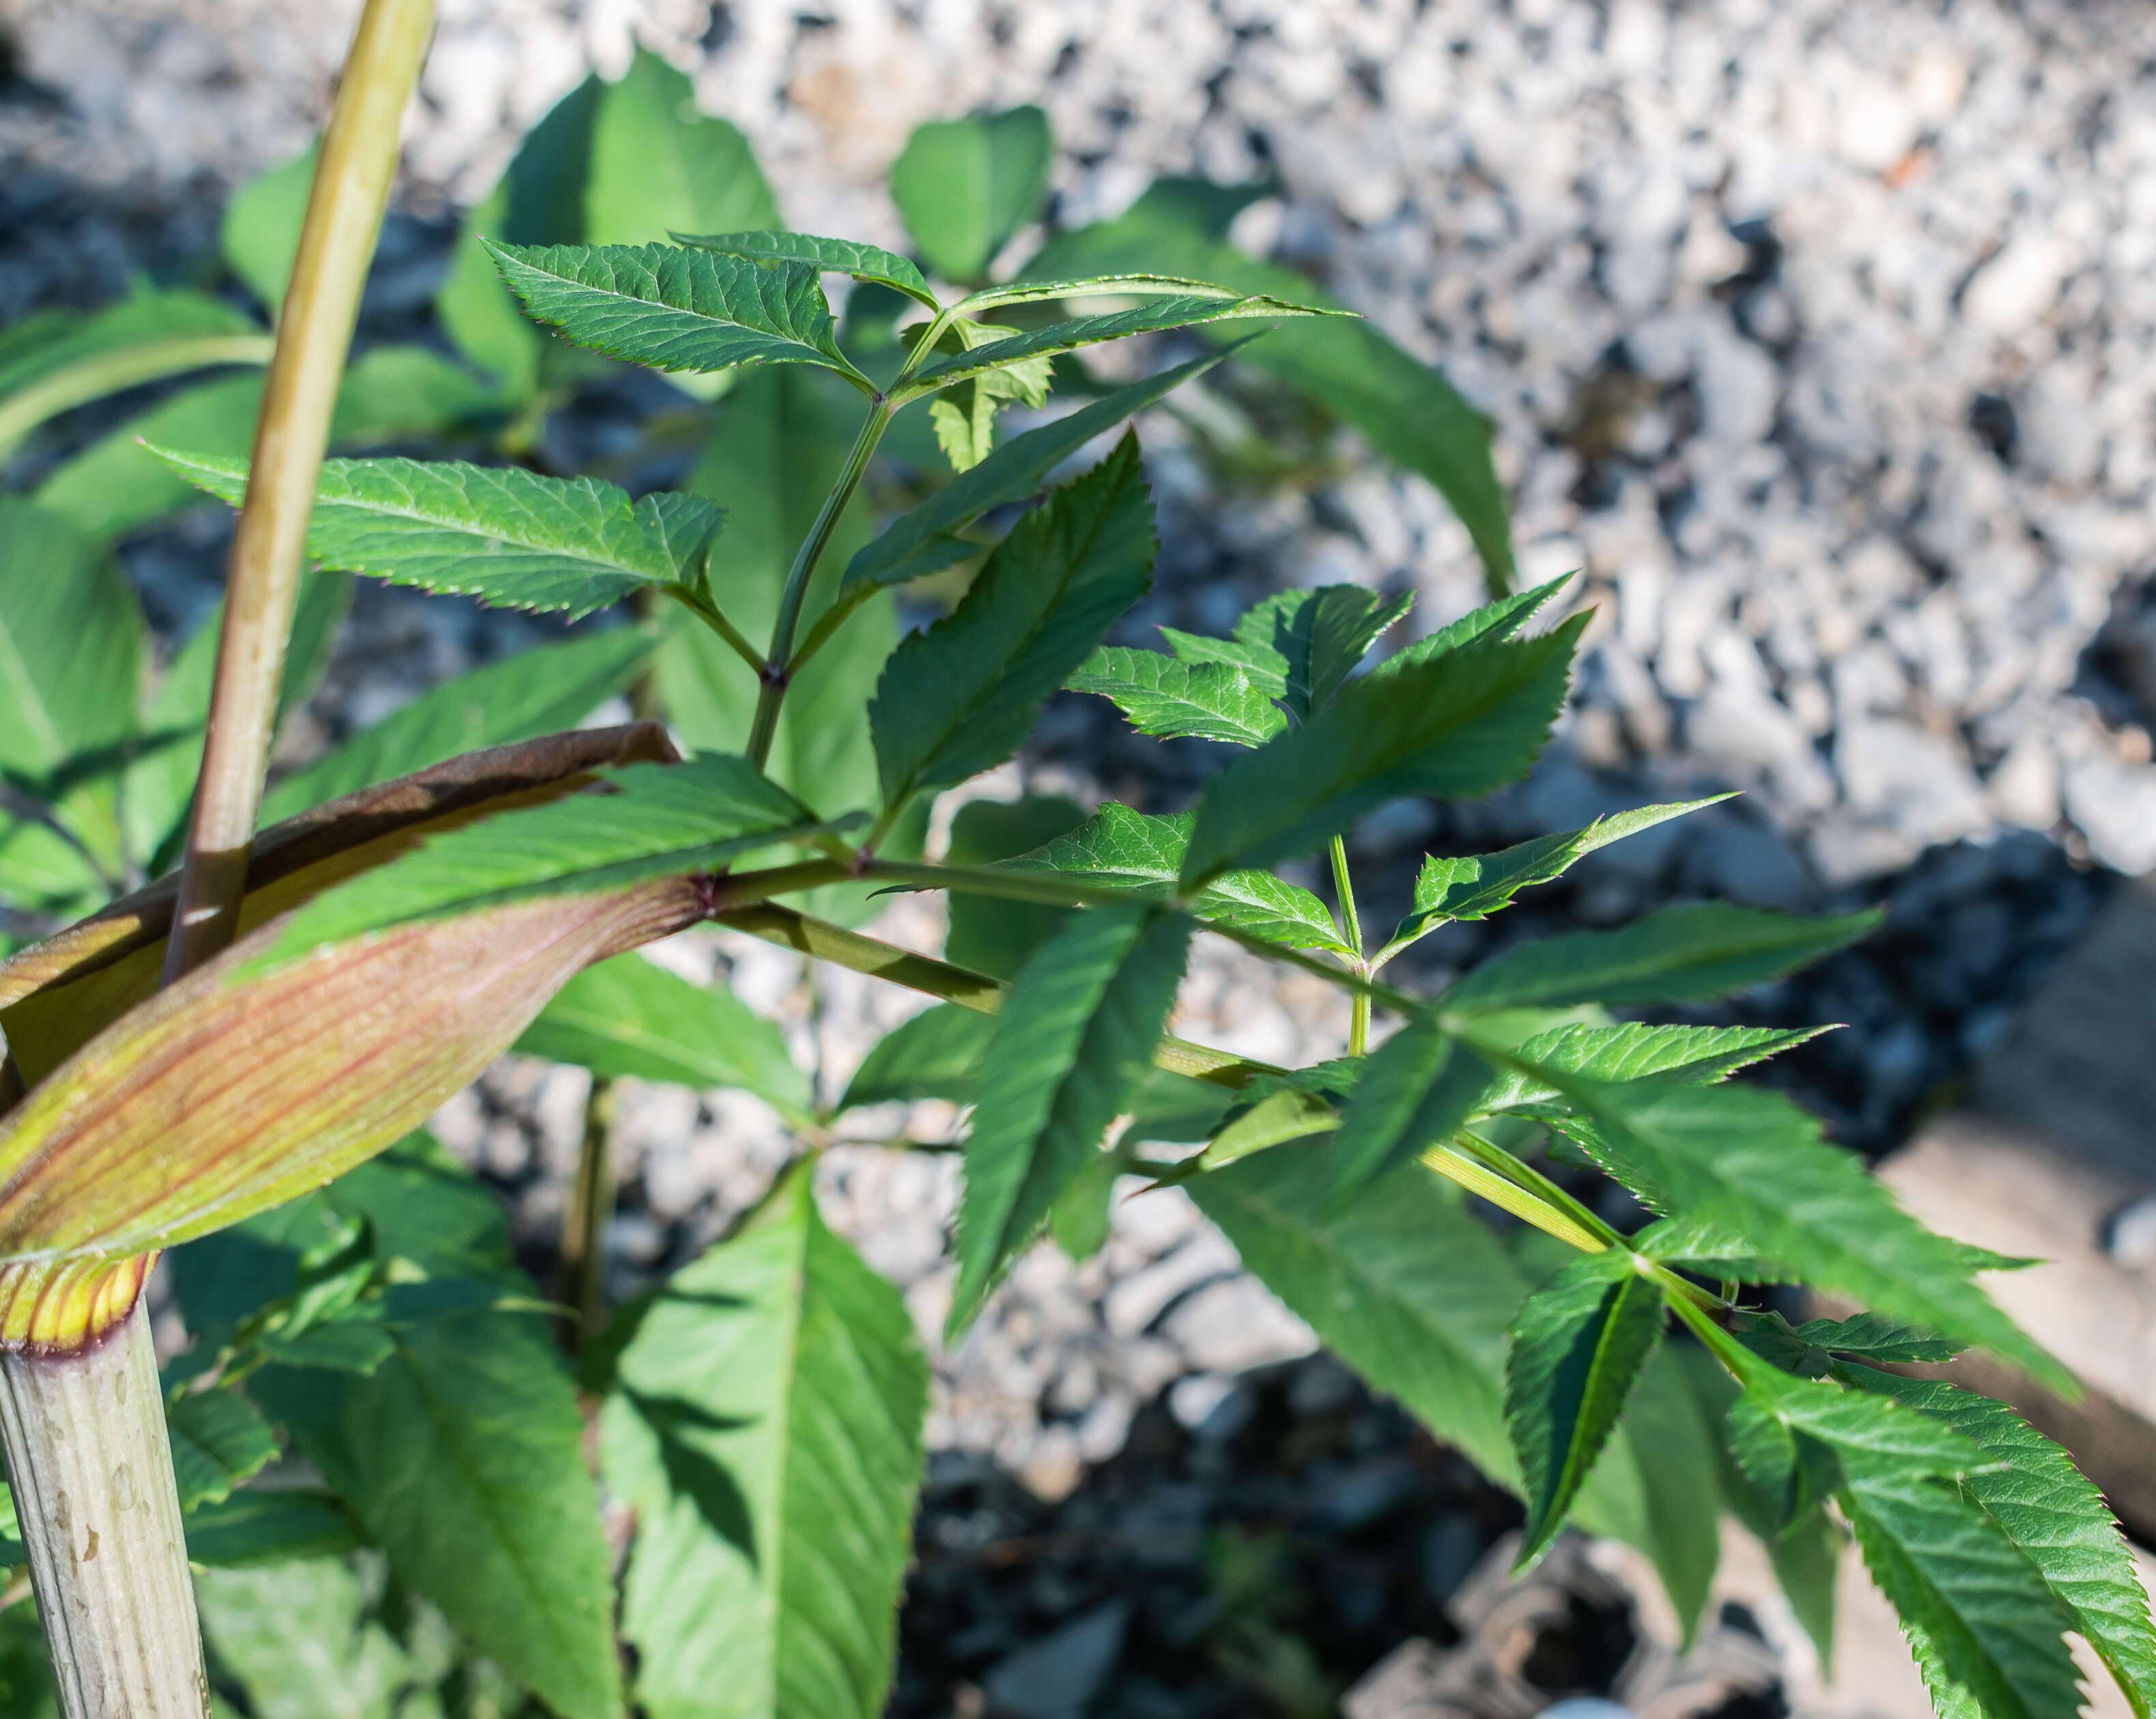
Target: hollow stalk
{"x":92,"y":1474}
{"x":80,"y":1410}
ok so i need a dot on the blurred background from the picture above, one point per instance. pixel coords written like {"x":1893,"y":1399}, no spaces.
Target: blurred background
{"x":1818,"y":335}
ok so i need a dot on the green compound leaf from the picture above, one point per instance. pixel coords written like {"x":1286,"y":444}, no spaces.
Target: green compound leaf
{"x":994,"y":934}
{"x":926,"y":540}
{"x":1406,"y":1286}
{"x":964,"y":187}
{"x":1476,"y":885}
{"x":1406,"y":409}
{"x":1697,"y":949}
{"x":963,"y":696}
{"x":2048,"y":1510}
{"x":965,"y":420}
{"x":543,"y":691}
{"x":1987,"y":1634}
{"x":1459,"y":725}
{"x":831,"y":256}
{"x":462,"y":1456}
{"x":1876,"y":1339}
{"x":1119,"y":849}
{"x":1167,"y":698}
{"x":669,"y":308}
{"x":510,"y":536}
{"x":1274,"y":1120}
{"x":778,"y":448}
{"x":1647,"y":1489}
{"x":1156,"y":317}
{"x":1416,"y":1089}
{"x":628,"y":1017}
{"x":219,"y":1439}
{"x":661,"y":820}
{"x":1805,"y":1553}
{"x":1074,"y":1037}
{"x":765,"y":1425}
{"x":935,"y":1055}
{"x":1749,"y":1162}
{"x":1634,"y":1051}
{"x":1499,"y":618}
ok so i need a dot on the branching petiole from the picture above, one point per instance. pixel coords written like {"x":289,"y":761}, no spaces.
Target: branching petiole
{"x":771,"y":693}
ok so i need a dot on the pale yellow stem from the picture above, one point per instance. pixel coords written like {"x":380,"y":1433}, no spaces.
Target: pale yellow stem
{"x":321,"y":304}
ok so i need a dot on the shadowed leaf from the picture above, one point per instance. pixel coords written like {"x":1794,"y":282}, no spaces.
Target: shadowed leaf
{"x":767,"y":1429}
{"x":1578,"y":1344}
{"x":628,"y":1017}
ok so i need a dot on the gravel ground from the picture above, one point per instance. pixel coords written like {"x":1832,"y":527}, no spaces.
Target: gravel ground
{"x":1821,"y":336}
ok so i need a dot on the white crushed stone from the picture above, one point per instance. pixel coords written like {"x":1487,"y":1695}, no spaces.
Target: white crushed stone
{"x":1763,"y":255}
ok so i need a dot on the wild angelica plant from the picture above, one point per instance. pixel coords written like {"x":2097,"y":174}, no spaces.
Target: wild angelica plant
{"x":760,"y":1415}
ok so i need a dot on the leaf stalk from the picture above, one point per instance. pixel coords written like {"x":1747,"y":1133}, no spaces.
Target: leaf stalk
{"x":1344,"y":887}
{"x":773,"y":692}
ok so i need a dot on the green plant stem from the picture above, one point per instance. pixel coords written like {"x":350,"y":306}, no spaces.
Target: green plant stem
{"x":1050,"y":889}
{"x":709,"y":614}
{"x":827,"y":626}
{"x":824,"y":942}
{"x":352,"y":178}
{"x":590,"y":1209}
{"x":772,"y":694}
{"x":1358,"y":1022}
{"x":109,"y":372}
{"x":1479,"y":1179}
{"x":1517,"y":1170}
{"x":1696,"y":1311}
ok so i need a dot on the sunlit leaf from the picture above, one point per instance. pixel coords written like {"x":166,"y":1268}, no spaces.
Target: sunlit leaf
{"x":1460,"y":725}
{"x":765,"y":1425}
{"x":671,"y":308}
{"x":833,"y":256}
{"x":921,"y":543}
